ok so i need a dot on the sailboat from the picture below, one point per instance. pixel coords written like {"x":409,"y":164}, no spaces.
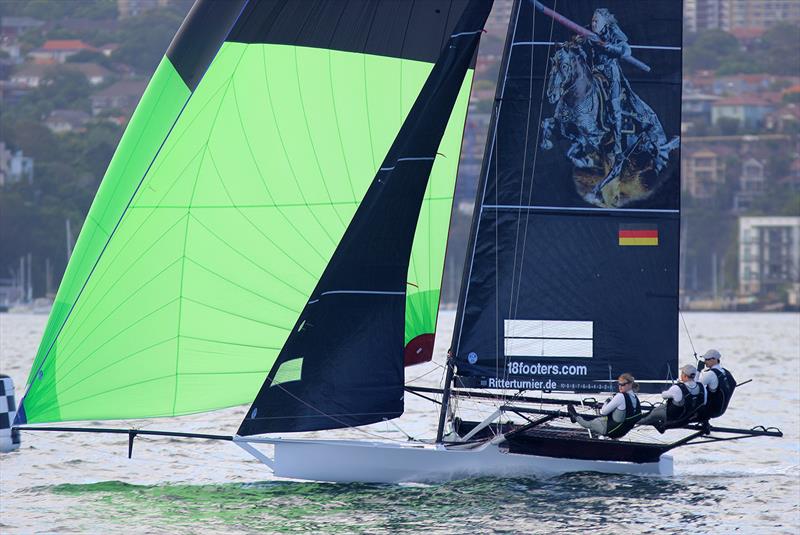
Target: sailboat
{"x":271,"y":231}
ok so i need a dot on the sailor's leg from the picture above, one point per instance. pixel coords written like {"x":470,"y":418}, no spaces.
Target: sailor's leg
{"x":595,"y":425}
{"x":656,"y":417}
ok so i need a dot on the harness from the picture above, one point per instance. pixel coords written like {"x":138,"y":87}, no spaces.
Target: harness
{"x":678,"y":415}
{"x":719,"y":399}
{"x":632,"y":415}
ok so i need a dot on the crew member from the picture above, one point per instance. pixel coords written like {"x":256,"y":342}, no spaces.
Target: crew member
{"x":618,"y":415}
{"x":682,"y":401}
{"x":719,"y":383}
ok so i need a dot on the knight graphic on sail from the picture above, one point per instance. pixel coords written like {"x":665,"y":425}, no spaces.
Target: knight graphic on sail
{"x":616,"y":142}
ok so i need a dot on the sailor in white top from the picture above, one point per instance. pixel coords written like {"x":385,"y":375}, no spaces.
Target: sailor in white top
{"x":719,"y":383}
{"x":677,"y":409}
{"x":613,"y":412}
{"x":707,"y":377}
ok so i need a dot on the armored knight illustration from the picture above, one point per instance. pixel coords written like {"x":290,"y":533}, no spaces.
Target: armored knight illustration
{"x":617,"y":143}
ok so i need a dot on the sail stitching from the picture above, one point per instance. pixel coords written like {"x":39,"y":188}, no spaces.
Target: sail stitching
{"x":264,"y":182}
{"x":256,"y":264}
{"x":206,"y":151}
{"x":101,"y":276}
{"x":256,"y":228}
{"x":286,"y":153}
{"x":310,"y":139}
{"x":67,"y":340}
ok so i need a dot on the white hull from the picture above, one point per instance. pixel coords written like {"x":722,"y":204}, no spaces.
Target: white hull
{"x":345,"y":461}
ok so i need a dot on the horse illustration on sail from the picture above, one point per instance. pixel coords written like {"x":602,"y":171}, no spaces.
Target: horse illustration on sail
{"x":616,"y":142}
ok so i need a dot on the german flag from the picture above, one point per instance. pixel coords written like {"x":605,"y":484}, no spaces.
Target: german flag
{"x":638,"y":234}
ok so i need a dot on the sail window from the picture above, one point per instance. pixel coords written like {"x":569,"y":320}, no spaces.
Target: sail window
{"x":290,"y":370}
{"x":548,"y":338}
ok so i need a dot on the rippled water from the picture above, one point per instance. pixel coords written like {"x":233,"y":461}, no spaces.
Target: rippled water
{"x":61,"y":483}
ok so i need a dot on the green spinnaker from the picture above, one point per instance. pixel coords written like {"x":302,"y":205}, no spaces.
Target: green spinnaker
{"x":214,"y":253}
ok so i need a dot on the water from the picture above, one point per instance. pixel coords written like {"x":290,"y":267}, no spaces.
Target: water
{"x":60,"y":483}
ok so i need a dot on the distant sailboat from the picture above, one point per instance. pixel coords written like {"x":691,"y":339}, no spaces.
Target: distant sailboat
{"x":272,"y":227}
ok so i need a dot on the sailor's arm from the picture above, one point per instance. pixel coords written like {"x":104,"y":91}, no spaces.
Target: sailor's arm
{"x":610,"y":406}
{"x":674,"y":393}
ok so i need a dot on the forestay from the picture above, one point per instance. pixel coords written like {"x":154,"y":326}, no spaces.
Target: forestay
{"x":572,"y":269}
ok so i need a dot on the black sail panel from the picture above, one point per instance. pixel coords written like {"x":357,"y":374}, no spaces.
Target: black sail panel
{"x":572,"y":269}
{"x":342,"y":365}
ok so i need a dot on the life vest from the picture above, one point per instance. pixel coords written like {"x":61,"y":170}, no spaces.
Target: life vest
{"x":718,"y":400}
{"x":679,"y":415}
{"x":633,"y":413}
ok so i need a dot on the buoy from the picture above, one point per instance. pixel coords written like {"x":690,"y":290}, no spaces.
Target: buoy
{"x":9,"y":438}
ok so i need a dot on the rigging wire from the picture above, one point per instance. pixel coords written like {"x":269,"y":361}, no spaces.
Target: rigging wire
{"x":688,"y":334}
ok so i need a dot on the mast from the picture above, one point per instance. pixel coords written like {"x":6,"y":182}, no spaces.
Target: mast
{"x":476,"y":212}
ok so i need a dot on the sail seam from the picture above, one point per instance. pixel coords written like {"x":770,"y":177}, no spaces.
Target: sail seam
{"x":206,"y":151}
{"x":576,"y":208}
{"x":640,"y":47}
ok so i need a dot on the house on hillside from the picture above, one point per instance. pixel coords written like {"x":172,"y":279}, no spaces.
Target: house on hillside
{"x":31,"y":75}
{"x":64,"y":121}
{"x":123,"y":95}
{"x":58,"y":50}
{"x":696,"y":107}
{"x":14,"y":166}
{"x":12,"y":27}
{"x":752,"y":184}
{"x":749,"y":110}
{"x":702,"y":172}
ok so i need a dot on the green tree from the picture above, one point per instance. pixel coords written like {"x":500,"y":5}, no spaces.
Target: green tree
{"x":777,"y":52}
{"x":709,"y":49}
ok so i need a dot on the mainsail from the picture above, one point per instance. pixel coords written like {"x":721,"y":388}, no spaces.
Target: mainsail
{"x":572,"y":269}
{"x":242,"y":167}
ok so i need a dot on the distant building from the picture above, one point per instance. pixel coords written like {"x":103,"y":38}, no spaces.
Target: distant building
{"x":731,"y":15}
{"x":122,"y":95}
{"x":64,"y":121}
{"x":702,"y":173}
{"x":749,"y":110}
{"x":769,"y":254}
{"x":58,"y":50}
{"x":12,"y":27}
{"x":759,"y":14}
{"x":14,"y":166}
{"x":784,"y":119}
{"x":31,"y":75}
{"x":752,"y":183}
{"x":132,"y":8}
{"x":696,"y":107}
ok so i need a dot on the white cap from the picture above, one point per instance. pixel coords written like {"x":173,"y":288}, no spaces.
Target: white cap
{"x":689,"y":370}
{"x":711,"y":354}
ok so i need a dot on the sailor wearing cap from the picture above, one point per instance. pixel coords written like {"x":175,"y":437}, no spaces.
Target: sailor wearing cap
{"x":718,"y":381}
{"x":682,"y":401}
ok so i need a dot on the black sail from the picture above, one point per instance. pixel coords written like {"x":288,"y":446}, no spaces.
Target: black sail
{"x":571,"y":276}
{"x":342,"y":365}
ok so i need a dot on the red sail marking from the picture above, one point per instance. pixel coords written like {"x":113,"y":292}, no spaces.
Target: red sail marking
{"x":638,"y":233}
{"x":419,"y":350}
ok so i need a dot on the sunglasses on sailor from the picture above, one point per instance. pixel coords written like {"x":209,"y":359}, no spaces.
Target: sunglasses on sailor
{"x":626,"y":383}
